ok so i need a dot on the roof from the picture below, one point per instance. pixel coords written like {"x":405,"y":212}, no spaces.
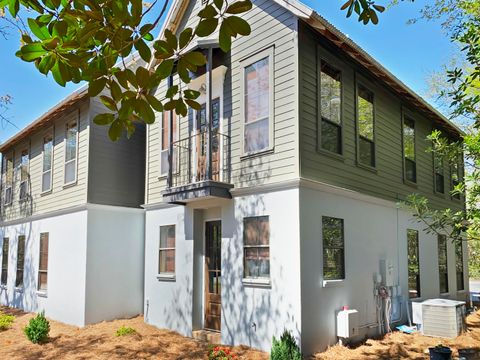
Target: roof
{"x":47,"y":118}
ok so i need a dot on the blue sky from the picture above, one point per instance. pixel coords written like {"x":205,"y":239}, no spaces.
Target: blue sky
{"x":410,"y":52}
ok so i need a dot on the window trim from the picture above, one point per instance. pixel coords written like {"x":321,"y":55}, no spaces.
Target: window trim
{"x":5,"y":159}
{"x":25,"y":181}
{"x":44,"y":291}
{"x":406,"y":114}
{"x":24,"y":239}
{"x":435,"y":173}
{"x":256,"y":280}
{"x":5,"y":240}
{"x":50,"y":133}
{"x":359,"y":81}
{"x":463,"y":267}
{"x":177,"y":132}
{"x":419,"y":289}
{"x":168,"y":275}
{"x":65,"y":162}
{"x":459,"y":165}
{"x":269,"y":53}
{"x":344,"y":263}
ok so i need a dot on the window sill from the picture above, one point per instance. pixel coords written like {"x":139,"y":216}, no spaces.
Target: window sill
{"x":333,"y":155}
{"x":46,"y":192}
{"x":439,"y":194}
{"x":70,"y":184}
{"x":367,"y":168}
{"x":166,"y":277}
{"x":259,"y":282}
{"x":332,"y":283}
{"x":42,"y":294}
{"x":247,"y":156}
{"x":410,"y":183}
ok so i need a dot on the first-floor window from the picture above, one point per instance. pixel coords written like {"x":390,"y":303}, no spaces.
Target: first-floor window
{"x":256,"y":247}
{"x":20,"y":261}
{"x":333,"y":248}
{"x":43,"y":263}
{"x":4,"y":276}
{"x":442,"y":263}
{"x":413,"y":264}
{"x":459,"y":265}
{"x":166,"y":256}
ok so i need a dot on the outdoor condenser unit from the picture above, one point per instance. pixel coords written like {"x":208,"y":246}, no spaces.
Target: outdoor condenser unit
{"x":443,"y":318}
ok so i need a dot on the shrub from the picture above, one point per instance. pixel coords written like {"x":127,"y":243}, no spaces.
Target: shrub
{"x":37,"y":329}
{"x":221,"y":353}
{"x":286,"y":348}
{"x":6,"y":321}
{"x":123,"y":331}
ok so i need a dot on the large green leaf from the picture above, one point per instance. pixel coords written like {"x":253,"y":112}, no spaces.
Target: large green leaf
{"x":239,"y":7}
{"x":143,"y":50}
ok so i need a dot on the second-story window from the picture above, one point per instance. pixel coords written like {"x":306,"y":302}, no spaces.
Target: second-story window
{"x":366,"y":135}
{"x":455,"y":179}
{"x":331,"y":108}
{"x":71,"y":139}
{"x":47,"y":163}
{"x":439,"y":172}
{"x":409,"y":150}
{"x":165,"y":140}
{"x":24,"y":161}
{"x":7,"y":172}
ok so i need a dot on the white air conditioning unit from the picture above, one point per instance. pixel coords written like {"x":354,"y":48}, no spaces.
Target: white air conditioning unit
{"x":443,"y":318}
{"x":347,"y":323}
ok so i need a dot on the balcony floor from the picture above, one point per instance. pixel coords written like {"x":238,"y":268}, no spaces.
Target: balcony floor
{"x":197,"y":191}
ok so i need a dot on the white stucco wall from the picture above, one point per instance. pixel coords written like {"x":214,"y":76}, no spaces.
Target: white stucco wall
{"x":115,"y":259}
{"x":65,"y":299}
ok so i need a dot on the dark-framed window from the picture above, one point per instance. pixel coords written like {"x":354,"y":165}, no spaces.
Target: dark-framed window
{"x":166,"y":250}
{"x":439,"y":169}
{"x":20,"y":261}
{"x":409,"y":150}
{"x":256,"y":247}
{"x":7,"y":173}
{"x":459,"y":265}
{"x":330,"y":108}
{"x":5,"y":247}
{"x":443,"y":263}
{"x":456,"y":176}
{"x":413,"y":264}
{"x":366,"y":126}
{"x":43,"y":263}
{"x":333,"y":248}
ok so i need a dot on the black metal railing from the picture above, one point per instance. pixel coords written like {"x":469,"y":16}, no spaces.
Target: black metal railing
{"x":191,"y":159}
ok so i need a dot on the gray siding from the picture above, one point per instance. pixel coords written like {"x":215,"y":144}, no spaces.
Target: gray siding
{"x":387,"y":181}
{"x":116,"y":169}
{"x":272,"y":25}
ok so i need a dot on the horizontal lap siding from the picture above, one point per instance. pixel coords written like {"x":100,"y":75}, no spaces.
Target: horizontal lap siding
{"x":59,"y":197}
{"x":387,"y":182}
{"x":272,"y":25}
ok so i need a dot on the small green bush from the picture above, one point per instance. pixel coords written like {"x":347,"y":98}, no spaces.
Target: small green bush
{"x":286,"y":348}
{"x":37,"y":329}
{"x":123,"y":331}
{"x":6,"y":321}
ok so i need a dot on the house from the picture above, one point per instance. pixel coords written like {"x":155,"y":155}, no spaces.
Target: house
{"x":71,"y":226}
{"x":278,"y":202}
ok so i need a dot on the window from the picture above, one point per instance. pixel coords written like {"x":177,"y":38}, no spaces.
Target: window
{"x":443,"y":263}
{"x":439,"y":173}
{"x":47,"y":163}
{"x":333,"y":248}
{"x":43,"y":263}
{"x":20,"y":261}
{"x":331,"y":108}
{"x":4,"y":276}
{"x":366,"y":131}
{"x":166,"y":256}
{"x":71,"y":139}
{"x":24,"y":160}
{"x":258,"y":107}
{"x":7,"y":172}
{"x":166,"y":141}
{"x":455,"y":176}
{"x":413,"y":264}
{"x":256,"y":247}
{"x":409,"y":150}
{"x":459,"y":265}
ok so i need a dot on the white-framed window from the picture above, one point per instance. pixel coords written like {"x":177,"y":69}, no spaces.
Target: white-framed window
{"x":166,"y":250}
{"x":258,"y":102}
{"x":24,"y":174}
{"x":20,"y":261}
{"x":71,"y":150}
{"x":43,"y":263}
{"x":165,"y":140}
{"x":47,"y":167}
{"x":7,"y":173}
{"x":256,"y":247}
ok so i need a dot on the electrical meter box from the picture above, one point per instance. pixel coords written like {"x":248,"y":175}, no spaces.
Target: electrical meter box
{"x":347,"y":323}
{"x":387,"y":272}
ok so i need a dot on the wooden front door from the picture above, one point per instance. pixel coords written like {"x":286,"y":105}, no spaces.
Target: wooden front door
{"x":213,"y":275}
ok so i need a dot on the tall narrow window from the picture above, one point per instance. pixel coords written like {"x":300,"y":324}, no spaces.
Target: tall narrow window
{"x":4,"y":276}
{"x":459,"y":265}
{"x":455,"y":177}
{"x":331,"y":108}
{"x":333,"y":248}
{"x":166,"y":256}
{"x":71,"y":139}
{"x":24,"y":175}
{"x":7,"y":172}
{"x":20,"y":261}
{"x":366,"y":135}
{"x":166,"y":141}
{"x":413,"y":264}
{"x":43,"y":263}
{"x":258,"y":105}
{"x":256,"y":247}
{"x":409,"y":150}
{"x":439,"y":172}
{"x":47,"y":163}
{"x":443,"y":263}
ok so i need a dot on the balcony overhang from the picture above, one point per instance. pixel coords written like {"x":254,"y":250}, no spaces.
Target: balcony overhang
{"x":203,"y":190}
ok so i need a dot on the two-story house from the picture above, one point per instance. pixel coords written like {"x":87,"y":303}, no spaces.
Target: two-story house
{"x":278,"y":202}
{"x":71,"y":226}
